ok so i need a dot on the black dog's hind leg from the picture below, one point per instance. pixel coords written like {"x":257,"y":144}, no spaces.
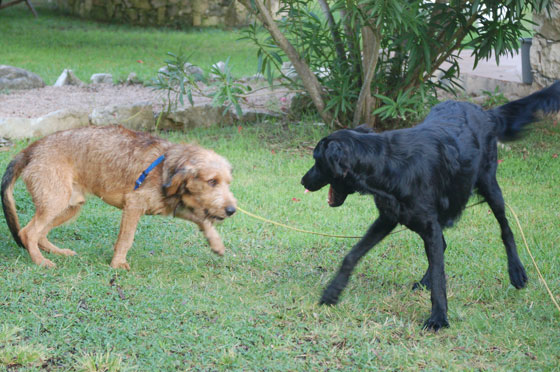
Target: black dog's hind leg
{"x":491,"y":192}
{"x":434,"y":243}
{"x":425,"y":281}
{"x":380,"y":228}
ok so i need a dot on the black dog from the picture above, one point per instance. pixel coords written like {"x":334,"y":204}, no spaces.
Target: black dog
{"x":422,"y":178}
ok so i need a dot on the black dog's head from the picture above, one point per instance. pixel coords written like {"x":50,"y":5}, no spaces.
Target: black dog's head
{"x":334,"y":160}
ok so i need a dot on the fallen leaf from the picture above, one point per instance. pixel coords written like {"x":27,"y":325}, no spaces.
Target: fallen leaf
{"x":139,"y":61}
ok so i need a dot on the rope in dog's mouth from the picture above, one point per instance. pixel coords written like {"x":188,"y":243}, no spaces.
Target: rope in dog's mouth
{"x":551,"y":295}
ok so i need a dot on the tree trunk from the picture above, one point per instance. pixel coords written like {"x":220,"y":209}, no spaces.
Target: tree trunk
{"x":310,"y":81}
{"x":364,"y":106}
{"x":339,"y":46}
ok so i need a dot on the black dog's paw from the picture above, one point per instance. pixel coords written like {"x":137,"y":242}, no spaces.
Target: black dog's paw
{"x":518,"y":276}
{"x":436,"y":322}
{"x":424,"y":283}
{"x":328,"y":299}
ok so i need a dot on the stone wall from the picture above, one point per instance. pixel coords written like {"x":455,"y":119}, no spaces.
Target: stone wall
{"x":181,"y":13}
{"x":545,"y":49}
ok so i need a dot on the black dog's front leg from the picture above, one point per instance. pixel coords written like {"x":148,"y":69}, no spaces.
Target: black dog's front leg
{"x":425,"y":281}
{"x":380,"y":228}
{"x":434,"y":243}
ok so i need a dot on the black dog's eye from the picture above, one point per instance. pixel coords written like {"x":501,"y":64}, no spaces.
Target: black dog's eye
{"x":213,"y":182}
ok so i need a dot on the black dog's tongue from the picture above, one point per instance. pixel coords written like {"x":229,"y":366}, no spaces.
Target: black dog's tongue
{"x":331,"y":196}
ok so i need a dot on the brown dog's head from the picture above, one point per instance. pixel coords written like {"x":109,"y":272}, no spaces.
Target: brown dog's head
{"x":199,"y":179}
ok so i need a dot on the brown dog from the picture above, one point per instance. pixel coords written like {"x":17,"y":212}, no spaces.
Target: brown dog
{"x":59,"y":170}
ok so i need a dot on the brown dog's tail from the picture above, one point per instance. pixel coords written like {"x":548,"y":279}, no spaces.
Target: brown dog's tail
{"x":8,"y":202}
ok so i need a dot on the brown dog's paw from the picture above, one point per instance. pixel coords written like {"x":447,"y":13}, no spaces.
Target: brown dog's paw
{"x":219,"y":252}
{"x":46,"y":263}
{"x":67,"y":252}
{"x":120,"y":265}
{"x":217,"y":246}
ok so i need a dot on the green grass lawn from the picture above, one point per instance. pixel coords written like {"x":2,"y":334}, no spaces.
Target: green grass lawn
{"x":53,"y":42}
{"x":183,"y":308}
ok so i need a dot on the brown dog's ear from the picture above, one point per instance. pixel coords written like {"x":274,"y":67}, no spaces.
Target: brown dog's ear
{"x":176,"y":182}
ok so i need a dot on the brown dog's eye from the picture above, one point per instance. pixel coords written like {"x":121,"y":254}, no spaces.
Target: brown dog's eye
{"x":213,"y":182}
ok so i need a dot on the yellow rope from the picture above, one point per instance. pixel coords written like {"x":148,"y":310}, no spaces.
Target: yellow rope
{"x":319,"y":233}
{"x":398,"y":231}
{"x":533,"y":259}
{"x":294,"y":228}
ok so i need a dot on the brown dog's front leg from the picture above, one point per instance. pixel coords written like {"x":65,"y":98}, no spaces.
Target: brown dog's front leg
{"x":130,"y":218}
{"x":212,"y":236}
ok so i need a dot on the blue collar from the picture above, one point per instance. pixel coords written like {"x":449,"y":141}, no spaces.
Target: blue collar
{"x":148,"y":170}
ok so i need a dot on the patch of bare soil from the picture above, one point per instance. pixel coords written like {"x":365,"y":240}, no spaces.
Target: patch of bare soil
{"x":35,"y":103}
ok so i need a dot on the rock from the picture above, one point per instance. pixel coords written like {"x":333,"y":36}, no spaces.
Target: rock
{"x":101,"y":79}
{"x":207,"y":115}
{"x":5,"y":143}
{"x":196,"y":72}
{"x":132,"y":79}
{"x":18,"y":78}
{"x":545,"y":48}
{"x":548,"y":25}
{"x":258,"y":76}
{"x":138,"y":116}
{"x":221,"y":67}
{"x":68,"y":78}
{"x":193,"y":117}
{"x":473,"y":85}
{"x":545,"y":55}
{"x":288,"y":70}
{"x":17,"y":128}
{"x":255,"y":115}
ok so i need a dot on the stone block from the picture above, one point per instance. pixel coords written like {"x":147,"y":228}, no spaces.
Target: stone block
{"x":68,"y":78}
{"x":548,"y":26}
{"x":19,"y":128}
{"x":101,"y":79}
{"x":18,"y":78}
{"x":545,"y":55}
{"x":137,"y":116}
{"x":195,"y":117}
{"x":141,"y":4}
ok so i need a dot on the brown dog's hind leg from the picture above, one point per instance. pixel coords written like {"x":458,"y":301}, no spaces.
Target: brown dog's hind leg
{"x":51,"y":191}
{"x":36,"y":231}
{"x":65,"y":216}
{"x":212,"y":236}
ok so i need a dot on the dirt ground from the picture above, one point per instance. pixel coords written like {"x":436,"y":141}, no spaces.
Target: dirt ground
{"x":34,"y":103}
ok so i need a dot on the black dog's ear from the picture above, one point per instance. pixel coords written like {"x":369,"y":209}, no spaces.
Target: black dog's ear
{"x":336,"y":159}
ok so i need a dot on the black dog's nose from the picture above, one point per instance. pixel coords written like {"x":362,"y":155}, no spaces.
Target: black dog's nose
{"x":230,"y":210}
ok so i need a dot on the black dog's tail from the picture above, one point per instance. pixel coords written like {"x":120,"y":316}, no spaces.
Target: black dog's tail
{"x":513,"y":116}
{"x":7,"y":191}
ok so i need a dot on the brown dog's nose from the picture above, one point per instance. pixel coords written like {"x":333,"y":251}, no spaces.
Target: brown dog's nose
{"x":230,"y":210}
